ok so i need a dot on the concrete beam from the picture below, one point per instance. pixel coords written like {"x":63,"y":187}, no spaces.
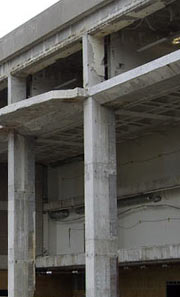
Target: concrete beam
{"x":21,"y":216}
{"x":144,"y":255}
{"x":60,"y":261}
{"x":138,"y":256}
{"x":146,"y":115}
{"x":144,"y":82}
{"x":110,"y":18}
{"x":61,"y":14}
{"x":167,"y":253}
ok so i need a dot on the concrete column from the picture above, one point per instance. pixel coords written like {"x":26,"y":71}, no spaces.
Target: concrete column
{"x":21,"y":206}
{"x":93,"y":60}
{"x":21,"y":216}
{"x":16,"y":89}
{"x":100,"y":185}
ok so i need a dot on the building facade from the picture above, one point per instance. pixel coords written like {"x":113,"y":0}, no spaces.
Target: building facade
{"x":89,"y":151}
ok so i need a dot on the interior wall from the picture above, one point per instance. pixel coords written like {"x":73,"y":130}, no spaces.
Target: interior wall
{"x":145,"y":40}
{"x":145,"y":165}
{"x":149,"y":163}
{"x":66,"y":183}
{"x":123,"y":55}
{"x":150,"y":224}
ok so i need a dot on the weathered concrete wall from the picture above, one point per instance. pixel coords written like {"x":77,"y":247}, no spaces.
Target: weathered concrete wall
{"x":124,"y":51}
{"x":66,"y":183}
{"x":150,"y":163}
{"x":155,"y":224}
{"x":152,"y":225}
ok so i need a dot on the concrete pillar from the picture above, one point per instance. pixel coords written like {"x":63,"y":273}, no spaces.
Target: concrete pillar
{"x":100,"y":184}
{"x":21,"y":210}
{"x":21,"y":216}
{"x":16,"y":89}
{"x":93,"y":60}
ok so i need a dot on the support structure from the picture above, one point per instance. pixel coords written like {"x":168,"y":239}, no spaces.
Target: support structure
{"x":21,"y":212}
{"x":16,"y":89}
{"x":100,"y":182}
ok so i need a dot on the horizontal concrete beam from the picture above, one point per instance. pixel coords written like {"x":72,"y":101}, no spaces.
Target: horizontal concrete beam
{"x":61,"y":261}
{"x":154,"y":254}
{"x":110,"y":18}
{"x":168,"y":253}
{"x":53,"y":19}
{"x":150,"y":80}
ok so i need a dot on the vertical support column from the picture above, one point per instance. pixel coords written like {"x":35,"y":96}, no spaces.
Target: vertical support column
{"x":16,"y":89}
{"x":21,"y":216}
{"x":21,"y":209}
{"x":100,"y":183}
{"x":93,"y":60}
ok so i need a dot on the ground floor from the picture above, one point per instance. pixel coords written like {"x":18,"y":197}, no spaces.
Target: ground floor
{"x":162,"y":280}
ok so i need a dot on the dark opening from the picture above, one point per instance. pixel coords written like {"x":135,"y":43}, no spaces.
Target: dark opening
{"x":79,"y":281}
{"x":173,"y":289}
{"x":3,"y":99}
{"x":3,"y":293}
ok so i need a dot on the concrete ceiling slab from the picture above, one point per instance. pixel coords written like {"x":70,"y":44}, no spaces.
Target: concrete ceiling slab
{"x":150,"y":80}
{"x":55,"y":119}
{"x":43,"y":113}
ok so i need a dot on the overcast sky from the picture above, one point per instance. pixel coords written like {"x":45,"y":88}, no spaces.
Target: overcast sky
{"x":16,"y":12}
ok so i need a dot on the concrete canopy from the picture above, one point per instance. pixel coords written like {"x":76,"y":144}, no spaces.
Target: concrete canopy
{"x":53,"y":118}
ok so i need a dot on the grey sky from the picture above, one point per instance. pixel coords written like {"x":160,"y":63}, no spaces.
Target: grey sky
{"x":15,"y":13}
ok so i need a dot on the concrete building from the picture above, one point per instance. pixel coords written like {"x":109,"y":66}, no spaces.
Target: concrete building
{"x":90,"y":151}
